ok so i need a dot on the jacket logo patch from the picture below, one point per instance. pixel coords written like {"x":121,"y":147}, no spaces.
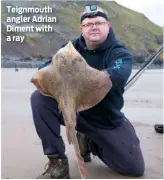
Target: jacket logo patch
{"x":117,"y":64}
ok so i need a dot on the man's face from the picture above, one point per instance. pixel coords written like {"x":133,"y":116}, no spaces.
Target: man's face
{"x":95,"y":29}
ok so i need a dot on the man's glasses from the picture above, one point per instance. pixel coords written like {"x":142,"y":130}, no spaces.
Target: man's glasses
{"x":90,"y":25}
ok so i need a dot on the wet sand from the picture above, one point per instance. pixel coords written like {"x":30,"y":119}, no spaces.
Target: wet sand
{"x":21,"y":151}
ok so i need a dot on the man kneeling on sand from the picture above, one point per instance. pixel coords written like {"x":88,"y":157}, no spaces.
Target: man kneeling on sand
{"x":102,"y":130}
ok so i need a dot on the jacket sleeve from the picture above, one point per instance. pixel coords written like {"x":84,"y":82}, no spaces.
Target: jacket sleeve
{"x":121,"y":67}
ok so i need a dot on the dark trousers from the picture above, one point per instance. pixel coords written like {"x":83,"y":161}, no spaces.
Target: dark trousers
{"x":118,"y":148}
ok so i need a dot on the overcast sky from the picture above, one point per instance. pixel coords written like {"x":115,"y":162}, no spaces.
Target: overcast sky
{"x":152,"y":9}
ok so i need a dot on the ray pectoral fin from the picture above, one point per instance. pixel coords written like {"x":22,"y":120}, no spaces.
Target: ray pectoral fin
{"x":96,"y":88}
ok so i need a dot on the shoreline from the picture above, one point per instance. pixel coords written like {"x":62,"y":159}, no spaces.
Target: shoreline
{"x":33,"y":65}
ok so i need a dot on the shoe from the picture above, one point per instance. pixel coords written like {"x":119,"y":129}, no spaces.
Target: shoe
{"x":58,"y":168}
{"x":83,"y":146}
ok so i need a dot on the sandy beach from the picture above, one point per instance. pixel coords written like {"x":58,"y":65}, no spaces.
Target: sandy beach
{"x":21,"y":150}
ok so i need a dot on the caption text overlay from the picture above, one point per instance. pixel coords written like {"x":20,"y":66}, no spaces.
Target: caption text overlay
{"x":22,"y":20}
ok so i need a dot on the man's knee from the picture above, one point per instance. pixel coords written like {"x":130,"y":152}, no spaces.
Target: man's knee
{"x":35,"y":99}
{"x":38,"y":100}
{"x":34,"y":95}
{"x":129,"y":166}
{"x":137,"y":169}
{"x":44,"y":105}
{"x":133,"y":170}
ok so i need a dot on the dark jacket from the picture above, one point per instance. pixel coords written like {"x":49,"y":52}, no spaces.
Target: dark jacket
{"x":113,"y":57}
